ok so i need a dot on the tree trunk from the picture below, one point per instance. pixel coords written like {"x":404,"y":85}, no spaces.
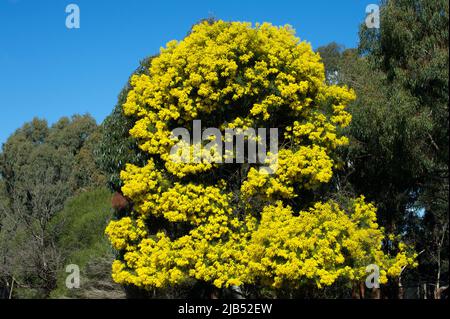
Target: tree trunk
{"x":437,"y":290}
{"x":12,"y":287}
{"x":362,"y":290}
{"x":376,"y":293}
{"x":355,"y":291}
{"x":401,"y":291}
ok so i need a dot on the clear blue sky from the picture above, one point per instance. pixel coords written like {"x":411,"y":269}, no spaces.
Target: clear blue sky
{"x":49,"y":71}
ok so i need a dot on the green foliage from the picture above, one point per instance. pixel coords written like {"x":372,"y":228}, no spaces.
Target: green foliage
{"x":116,"y":146}
{"x":3,"y":200}
{"x":82,"y":221}
{"x":411,"y":48}
{"x":331,"y":57}
{"x":85,"y":172}
{"x":81,"y":242}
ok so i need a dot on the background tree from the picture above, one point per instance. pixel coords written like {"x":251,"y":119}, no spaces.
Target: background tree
{"x":398,"y":154}
{"x":38,"y":165}
{"x":411,"y":48}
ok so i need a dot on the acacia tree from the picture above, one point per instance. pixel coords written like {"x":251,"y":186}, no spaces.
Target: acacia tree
{"x":234,"y":224}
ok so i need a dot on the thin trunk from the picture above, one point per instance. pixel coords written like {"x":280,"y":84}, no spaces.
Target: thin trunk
{"x":437,"y":290}
{"x":12,"y":287}
{"x":401,"y":291}
{"x":362,"y":290}
{"x":376,"y":293}
{"x":355,"y":291}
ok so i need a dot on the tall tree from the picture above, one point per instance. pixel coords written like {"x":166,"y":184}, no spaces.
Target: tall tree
{"x":411,"y":48}
{"x":398,"y":154}
{"x":235,"y":224}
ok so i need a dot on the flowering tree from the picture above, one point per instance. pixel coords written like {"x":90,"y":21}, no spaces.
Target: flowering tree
{"x":235,"y":224}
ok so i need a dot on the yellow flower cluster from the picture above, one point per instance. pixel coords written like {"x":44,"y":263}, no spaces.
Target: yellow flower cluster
{"x":318,"y":131}
{"x":321,"y":244}
{"x":213,"y":250}
{"x":308,"y":167}
{"x":125,"y":232}
{"x":193,"y":203}
{"x":218,"y":67}
{"x":193,"y":220}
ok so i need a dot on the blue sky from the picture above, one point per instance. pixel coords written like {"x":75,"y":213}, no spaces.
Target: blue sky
{"x":49,"y":71}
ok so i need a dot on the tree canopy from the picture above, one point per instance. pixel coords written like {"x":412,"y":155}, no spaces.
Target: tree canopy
{"x":232,"y":225}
